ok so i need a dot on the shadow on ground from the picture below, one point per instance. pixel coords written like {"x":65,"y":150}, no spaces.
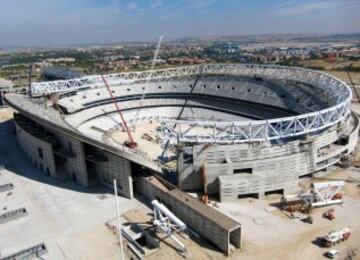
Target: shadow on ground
{"x":13,"y":160}
{"x":318,"y":242}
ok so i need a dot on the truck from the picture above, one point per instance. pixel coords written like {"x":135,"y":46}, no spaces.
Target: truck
{"x":332,"y":253}
{"x":336,"y":237}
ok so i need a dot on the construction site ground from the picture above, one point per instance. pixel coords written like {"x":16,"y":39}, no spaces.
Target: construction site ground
{"x":151,"y":147}
{"x":70,"y":220}
{"x":270,"y":234}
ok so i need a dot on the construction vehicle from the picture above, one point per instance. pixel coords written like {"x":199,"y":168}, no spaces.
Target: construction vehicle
{"x":295,"y":203}
{"x":332,"y":253}
{"x":336,"y":237}
{"x":329,"y":214}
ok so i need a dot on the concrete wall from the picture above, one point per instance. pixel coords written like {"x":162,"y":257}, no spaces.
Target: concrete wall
{"x":75,"y":163}
{"x":29,"y":144}
{"x":207,"y":228}
{"x":354,"y":135}
{"x":116,"y":168}
{"x":240,"y":169}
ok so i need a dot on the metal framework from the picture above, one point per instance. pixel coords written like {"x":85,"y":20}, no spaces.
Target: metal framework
{"x":230,"y":132}
{"x":250,"y":131}
{"x":324,"y":193}
{"x":167,"y":222}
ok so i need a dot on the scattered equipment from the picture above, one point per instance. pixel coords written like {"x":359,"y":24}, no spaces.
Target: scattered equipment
{"x":309,"y":219}
{"x":336,"y":237}
{"x":167,"y":222}
{"x":329,"y":214}
{"x":326,"y":193}
{"x":320,"y":194}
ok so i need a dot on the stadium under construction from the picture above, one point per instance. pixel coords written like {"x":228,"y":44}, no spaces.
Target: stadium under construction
{"x":220,"y":130}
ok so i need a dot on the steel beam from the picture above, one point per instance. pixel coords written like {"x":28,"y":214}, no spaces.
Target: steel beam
{"x":230,"y":132}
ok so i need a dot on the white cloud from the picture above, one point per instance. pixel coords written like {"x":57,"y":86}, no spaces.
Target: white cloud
{"x":304,"y":7}
{"x":132,"y":6}
{"x":156,"y":3}
{"x":201,"y":4}
{"x":40,"y":22}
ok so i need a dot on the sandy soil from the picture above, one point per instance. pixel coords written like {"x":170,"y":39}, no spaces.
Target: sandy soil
{"x":269,"y":234}
{"x":6,"y":113}
{"x":280,"y":238}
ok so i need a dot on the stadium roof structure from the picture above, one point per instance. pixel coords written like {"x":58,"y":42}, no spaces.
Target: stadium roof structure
{"x":199,"y":131}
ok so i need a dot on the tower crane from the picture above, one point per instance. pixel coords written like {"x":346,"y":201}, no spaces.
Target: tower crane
{"x":153,"y":62}
{"x":353,"y":86}
{"x":30,"y":71}
{"x":130,"y":142}
{"x":163,"y":158}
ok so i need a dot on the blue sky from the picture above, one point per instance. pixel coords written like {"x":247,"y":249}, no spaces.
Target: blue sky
{"x":56,"y":22}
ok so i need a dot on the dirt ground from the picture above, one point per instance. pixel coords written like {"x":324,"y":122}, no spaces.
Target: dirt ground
{"x":269,"y":234}
{"x":329,"y":65}
{"x":274,"y":236}
{"x":6,"y":113}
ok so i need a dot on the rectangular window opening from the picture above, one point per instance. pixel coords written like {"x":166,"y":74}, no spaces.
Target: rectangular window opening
{"x":244,"y":170}
{"x":40,"y":153}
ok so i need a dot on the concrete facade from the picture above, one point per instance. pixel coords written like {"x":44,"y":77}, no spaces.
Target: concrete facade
{"x":64,"y":157}
{"x":255,"y":169}
{"x":116,"y":168}
{"x":231,"y":170}
{"x":30,"y":146}
{"x":85,"y":161}
{"x":217,"y":228}
{"x":75,"y":144}
{"x":75,"y":165}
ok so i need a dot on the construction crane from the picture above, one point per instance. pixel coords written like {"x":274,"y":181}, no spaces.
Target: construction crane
{"x":353,"y":86}
{"x":130,"y":142}
{"x":153,"y":62}
{"x":163,"y":158}
{"x":30,"y":71}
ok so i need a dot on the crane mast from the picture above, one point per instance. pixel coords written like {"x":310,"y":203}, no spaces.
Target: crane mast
{"x":130,"y":143}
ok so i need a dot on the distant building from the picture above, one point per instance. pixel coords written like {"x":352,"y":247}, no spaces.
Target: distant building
{"x":61,"y":60}
{"x":58,"y":73}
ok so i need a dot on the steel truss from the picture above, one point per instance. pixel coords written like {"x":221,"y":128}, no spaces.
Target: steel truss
{"x":230,"y":132}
